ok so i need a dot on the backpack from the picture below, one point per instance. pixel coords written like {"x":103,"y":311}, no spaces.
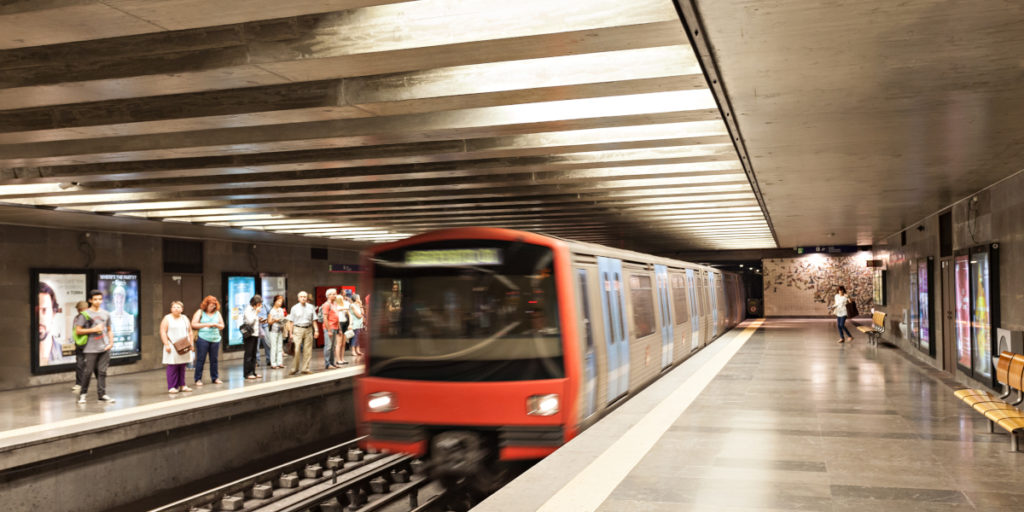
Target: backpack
{"x":82,"y":339}
{"x":851,"y":309}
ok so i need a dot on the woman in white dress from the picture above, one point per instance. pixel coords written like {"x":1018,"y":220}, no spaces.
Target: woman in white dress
{"x":174,"y":327}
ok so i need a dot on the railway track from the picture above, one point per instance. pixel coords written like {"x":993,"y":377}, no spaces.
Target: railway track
{"x":340,"y":478}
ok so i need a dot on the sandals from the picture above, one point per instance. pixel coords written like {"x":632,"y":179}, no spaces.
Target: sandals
{"x":199,"y":383}
{"x":172,"y":391}
{"x":218,"y":381}
{"x":186,"y":388}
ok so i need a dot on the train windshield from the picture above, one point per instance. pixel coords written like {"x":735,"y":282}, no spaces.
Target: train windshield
{"x":465,"y":310}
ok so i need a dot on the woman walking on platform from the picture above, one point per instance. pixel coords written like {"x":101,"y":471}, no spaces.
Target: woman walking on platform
{"x":208,"y":323}
{"x":174,"y":328}
{"x":841,"y":300}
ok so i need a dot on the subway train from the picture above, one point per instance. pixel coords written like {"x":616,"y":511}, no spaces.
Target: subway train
{"x":488,"y":345}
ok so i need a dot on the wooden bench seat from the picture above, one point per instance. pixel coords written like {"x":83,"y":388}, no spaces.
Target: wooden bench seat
{"x":1009,"y":373}
{"x":877,"y":328}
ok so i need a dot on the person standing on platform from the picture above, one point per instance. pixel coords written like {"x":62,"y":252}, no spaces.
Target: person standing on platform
{"x":356,"y":326}
{"x":302,"y":329}
{"x":275,"y":332}
{"x":839,"y":306}
{"x":208,"y":322}
{"x":97,"y":349}
{"x":329,"y":317}
{"x":80,"y":341}
{"x":250,"y":337}
{"x":264,"y":342}
{"x":174,"y":328}
{"x":341,"y":305}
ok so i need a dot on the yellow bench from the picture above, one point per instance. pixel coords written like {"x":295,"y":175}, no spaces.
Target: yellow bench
{"x":1010,"y":373}
{"x":877,"y":328}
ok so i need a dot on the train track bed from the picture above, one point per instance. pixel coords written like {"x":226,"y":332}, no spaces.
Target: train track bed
{"x":339,"y":478}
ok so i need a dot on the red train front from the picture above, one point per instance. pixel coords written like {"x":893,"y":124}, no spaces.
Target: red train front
{"x":470,"y":357}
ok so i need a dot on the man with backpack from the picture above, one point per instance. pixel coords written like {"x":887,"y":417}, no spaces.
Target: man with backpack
{"x":80,"y":341}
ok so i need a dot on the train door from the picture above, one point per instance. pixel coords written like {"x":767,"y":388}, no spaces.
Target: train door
{"x":589,"y":356}
{"x":713,"y":295}
{"x":667,"y":338}
{"x":691,"y":286}
{"x":616,"y":333}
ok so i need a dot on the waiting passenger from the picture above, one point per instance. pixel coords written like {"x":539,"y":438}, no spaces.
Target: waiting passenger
{"x":250,"y":337}
{"x":328,"y":315}
{"x":174,"y":328}
{"x":208,"y":322}
{"x":80,"y":341}
{"x":356,"y":327}
{"x":275,"y":332}
{"x":342,"y":306}
{"x":97,"y":348}
{"x":302,"y":329}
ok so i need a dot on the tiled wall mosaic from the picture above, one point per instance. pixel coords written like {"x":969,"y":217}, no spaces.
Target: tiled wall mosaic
{"x":805,"y":286}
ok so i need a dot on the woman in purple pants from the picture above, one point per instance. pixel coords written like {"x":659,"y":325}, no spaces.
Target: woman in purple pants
{"x":174,"y":327}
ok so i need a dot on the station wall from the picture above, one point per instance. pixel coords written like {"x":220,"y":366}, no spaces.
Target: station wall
{"x":806,"y":285}
{"x":25,"y":248}
{"x":993,"y":215}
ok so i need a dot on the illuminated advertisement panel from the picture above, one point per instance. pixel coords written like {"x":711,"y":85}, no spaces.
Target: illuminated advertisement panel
{"x":120,"y":291}
{"x":240,"y":288}
{"x":53,"y":305}
{"x":962,"y":268}
{"x":924,"y":305}
{"x":878,"y":287}
{"x":915,"y":311}
{"x":982,"y":321}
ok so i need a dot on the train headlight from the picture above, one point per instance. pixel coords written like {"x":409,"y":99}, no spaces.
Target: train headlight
{"x":542,"y":405}
{"x":381,"y":401}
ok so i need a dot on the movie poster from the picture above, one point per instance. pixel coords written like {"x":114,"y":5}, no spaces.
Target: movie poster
{"x":271,"y":285}
{"x":962,"y":267}
{"x":923,"y":304}
{"x":121,"y":299}
{"x":878,"y":287}
{"x":57,"y":294}
{"x":240,"y":290}
{"x":915,"y":311}
{"x":982,"y":322}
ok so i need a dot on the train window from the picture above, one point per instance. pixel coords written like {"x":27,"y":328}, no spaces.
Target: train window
{"x":467,"y":311}
{"x":679,"y":298}
{"x":642,"y":296}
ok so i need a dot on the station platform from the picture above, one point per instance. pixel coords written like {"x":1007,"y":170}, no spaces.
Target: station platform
{"x":775,"y":415}
{"x":150,"y":442}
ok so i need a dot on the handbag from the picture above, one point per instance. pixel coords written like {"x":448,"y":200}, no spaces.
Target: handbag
{"x":246,"y":330}
{"x":851,"y":309}
{"x":183,"y":345}
{"x":349,"y":334}
{"x":289,"y":347}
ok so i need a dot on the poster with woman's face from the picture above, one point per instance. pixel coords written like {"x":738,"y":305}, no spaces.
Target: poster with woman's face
{"x":924,"y":304}
{"x":982,"y":321}
{"x":121,"y":299}
{"x":55,"y":299}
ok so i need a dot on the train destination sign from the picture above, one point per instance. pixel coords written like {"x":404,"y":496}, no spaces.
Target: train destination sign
{"x":452,"y":257}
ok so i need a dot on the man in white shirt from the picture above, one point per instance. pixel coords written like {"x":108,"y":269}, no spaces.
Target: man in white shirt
{"x":302,"y":329}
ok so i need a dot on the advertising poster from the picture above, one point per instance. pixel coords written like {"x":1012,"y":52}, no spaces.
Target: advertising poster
{"x":962,"y":267}
{"x":923,"y":304}
{"x":878,"y":287}
{"x":240,"y":290}
{"x":121,"y":299}
{"x":982,"y":321}
{"x":55,"y":299}
{"x":271,"y":285}
{"x":915,"y":311}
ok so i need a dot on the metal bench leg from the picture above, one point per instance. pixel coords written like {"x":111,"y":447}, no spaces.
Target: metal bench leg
{"x":1014,"y":445}
{"x":991,"y":427}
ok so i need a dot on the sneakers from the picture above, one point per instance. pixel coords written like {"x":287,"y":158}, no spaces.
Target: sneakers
{"x":108,"y":399}
{"x":76,"y":388}
{"x":81,"y":399}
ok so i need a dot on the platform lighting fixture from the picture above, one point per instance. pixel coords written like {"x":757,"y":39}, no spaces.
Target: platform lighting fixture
{"x":327,"y":229}
{"x":281,"y":222}
{"x":35,"y":188}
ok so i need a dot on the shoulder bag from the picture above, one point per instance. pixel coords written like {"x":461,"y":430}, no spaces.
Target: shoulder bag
{"x":183,"y":345}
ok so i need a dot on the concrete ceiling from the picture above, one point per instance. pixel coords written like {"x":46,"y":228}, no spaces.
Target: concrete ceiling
{"x":863,"y":117}
{"x":367,"y":120}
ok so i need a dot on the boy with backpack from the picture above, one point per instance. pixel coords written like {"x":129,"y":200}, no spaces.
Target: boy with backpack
{"x":80,"y":341}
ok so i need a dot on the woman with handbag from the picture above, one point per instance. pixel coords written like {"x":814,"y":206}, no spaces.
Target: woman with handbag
{"x":840,"y":310}
{"x":250,"y":336}
{"x":176,"y":334}
{"x":341,"y":307}
{"x":356,"y":328}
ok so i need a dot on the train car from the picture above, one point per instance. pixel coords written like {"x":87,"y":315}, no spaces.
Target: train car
{"x":491,"y":345}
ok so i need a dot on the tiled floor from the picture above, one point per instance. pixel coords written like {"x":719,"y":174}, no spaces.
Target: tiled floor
{"x":796,"y":421}
{"x":55,"y":402}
